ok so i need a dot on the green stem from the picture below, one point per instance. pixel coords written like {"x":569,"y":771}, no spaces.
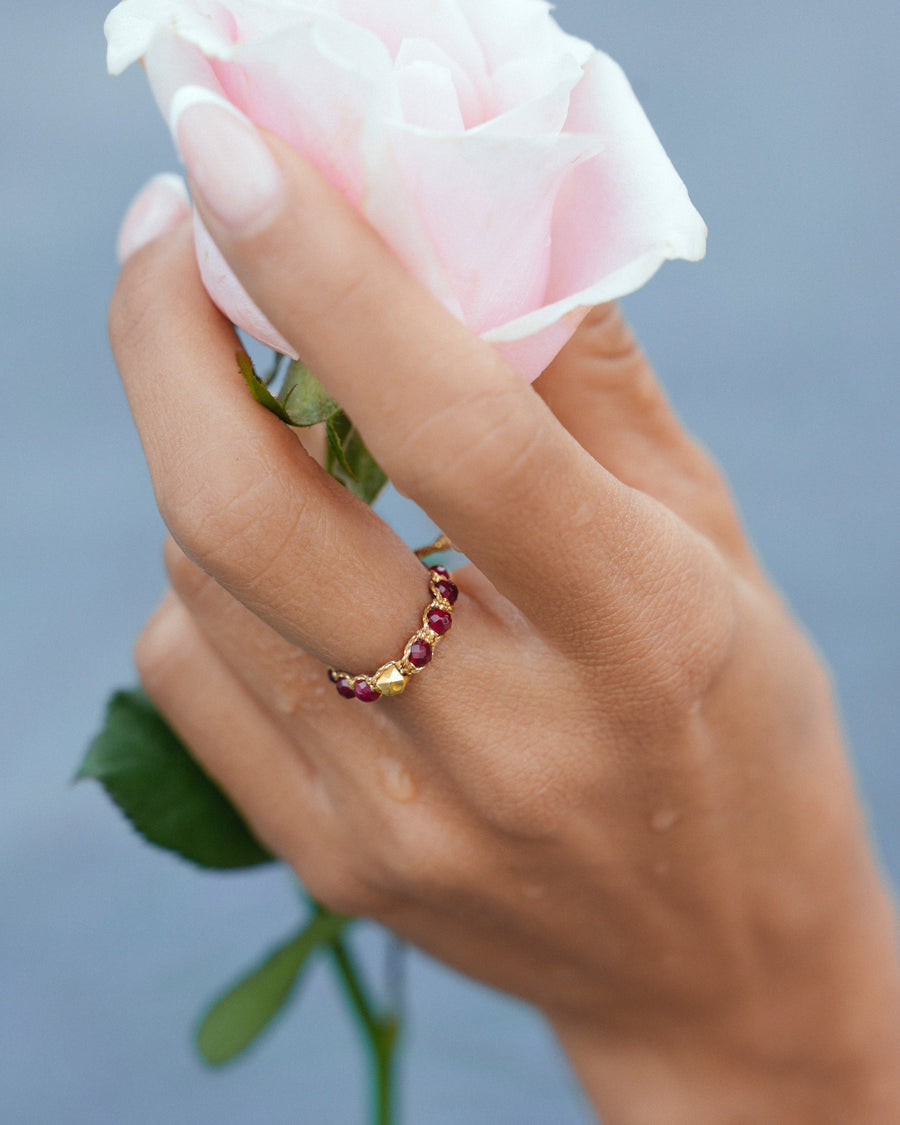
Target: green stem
{"x":381,"y":1034}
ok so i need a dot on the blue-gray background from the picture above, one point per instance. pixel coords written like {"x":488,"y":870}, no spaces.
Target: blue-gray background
{"x":780,"y":351}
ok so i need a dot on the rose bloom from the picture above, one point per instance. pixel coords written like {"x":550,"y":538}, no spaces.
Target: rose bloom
{"x":507,"y":164}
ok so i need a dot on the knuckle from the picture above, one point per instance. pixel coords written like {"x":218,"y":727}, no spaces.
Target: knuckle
{"x":324,"y":860}
{"x":332,"y":882}
{"x":683,"y":663}
{"x":238,"y":527}
{"x":423,"y":870}
{"x":675,"y":631}
{"x":295,"y":679}
{"x":417,"y":858}
{"x":537,"y":802}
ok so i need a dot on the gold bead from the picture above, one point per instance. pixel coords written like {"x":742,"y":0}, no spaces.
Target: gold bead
{"x":390,"y":680}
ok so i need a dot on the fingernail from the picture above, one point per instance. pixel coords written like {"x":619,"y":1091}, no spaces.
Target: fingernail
{"x":230,"y":167}
{"x":160,"y":205}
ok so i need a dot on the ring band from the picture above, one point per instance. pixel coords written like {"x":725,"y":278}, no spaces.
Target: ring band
{"x":391,"y":678}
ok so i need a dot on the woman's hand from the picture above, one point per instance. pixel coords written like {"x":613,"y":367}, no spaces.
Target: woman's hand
{"x":619,"y":791}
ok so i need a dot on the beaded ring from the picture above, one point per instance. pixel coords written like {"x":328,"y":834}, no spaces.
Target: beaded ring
{"x":391,"y":678}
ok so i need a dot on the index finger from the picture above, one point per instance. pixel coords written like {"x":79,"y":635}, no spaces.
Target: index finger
{"x":454,"y":426}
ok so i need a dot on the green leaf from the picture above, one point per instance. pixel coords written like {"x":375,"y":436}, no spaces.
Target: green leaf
{"x":302,"y":401}
{"x":151,"y":776}
{"x":349,"y":461}
{"x":303,"y":397}
{"x":337,"y":458}
{"x":368,"y":477}
{"x":248,"y":1007}
{"x":258,"y":388}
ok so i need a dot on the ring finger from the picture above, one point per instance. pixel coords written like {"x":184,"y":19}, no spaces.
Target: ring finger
{"x":239,"y":493}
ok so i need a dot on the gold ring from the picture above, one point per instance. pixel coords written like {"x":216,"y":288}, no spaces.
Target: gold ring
{"x":391,"y":678}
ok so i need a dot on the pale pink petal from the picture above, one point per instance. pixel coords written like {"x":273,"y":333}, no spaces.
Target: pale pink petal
{"x":321,"y":107}
{"x":487,"y":203}
{"x":538,"y":100}
{"x":507,"y":164}
{"x":619,"y":283}
{"x":428,"y":97}
{"x":328,"y":90}
{"x":510,"y":29}
{"x":439,"y":21}
{"x":531,"y":96}
{"x":625,"y":204}
{"x":434,"y":91}
{"x":618,"y":216}
{"x":230,"y":296}
{"x":133,"y":27}
{"x":256,"y":19}
{"x":532,"y":354}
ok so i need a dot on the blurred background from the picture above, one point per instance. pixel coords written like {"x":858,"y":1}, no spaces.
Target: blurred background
{"x":781,"y":353}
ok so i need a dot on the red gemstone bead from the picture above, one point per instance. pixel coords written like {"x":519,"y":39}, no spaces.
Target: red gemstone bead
{"x":448,"y":590}
{"x":439,"y":621}
{"x":345,"y":688}
{"x":364,"y":692}
{"x":419,"y":654}
{"x":441,"y":570}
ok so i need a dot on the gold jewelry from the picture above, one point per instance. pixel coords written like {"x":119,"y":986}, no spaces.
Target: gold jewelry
{"x":391,"y":678}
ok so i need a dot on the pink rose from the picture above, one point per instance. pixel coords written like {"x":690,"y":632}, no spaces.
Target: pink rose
{"x":507,"y":164}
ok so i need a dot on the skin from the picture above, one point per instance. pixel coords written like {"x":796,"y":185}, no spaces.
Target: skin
{"x":620,"y":790}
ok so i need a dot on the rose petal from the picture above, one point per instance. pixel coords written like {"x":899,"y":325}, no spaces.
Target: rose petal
{"x":330,"y":93}
{"x":487,"y":203}
{"x":621,"y":282}
{"x":511,"y":29}
{"x":132,"y":28}
{"x":441,"y":22}
{"x":531,"y":97}
{"x":626,"y":204}
{"x":320,"y":106}
{"x":618,"y":217}
{"x":230,"y":296}
{"x":428,"y":96}
{"x":434,"y":91}
{"x":533,"y":354}
{"x":519,"y":190}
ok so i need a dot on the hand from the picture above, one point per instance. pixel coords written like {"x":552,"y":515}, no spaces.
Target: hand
{"x":619,"y":791}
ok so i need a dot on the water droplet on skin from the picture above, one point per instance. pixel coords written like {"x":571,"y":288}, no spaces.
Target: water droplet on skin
{"x":662,"y":869}
{"x":664,"y":819}
{"x":535,"y":891}
{"x":398,"y":781}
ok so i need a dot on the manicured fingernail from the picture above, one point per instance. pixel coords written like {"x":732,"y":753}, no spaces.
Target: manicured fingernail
{"x":230,"y":167}
{"x":160,"y":205}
